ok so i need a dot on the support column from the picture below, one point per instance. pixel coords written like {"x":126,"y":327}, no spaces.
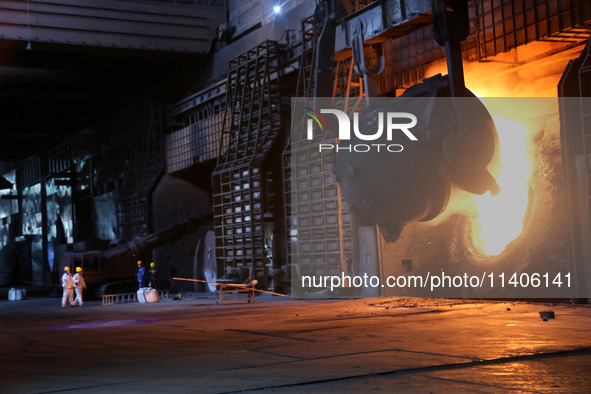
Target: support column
{"x":46,"y":276}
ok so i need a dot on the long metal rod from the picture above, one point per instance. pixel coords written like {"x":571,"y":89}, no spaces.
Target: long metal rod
{"x":455,"y":69}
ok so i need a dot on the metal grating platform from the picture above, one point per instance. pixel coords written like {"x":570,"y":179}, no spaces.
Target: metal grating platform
{"x":320,"y":239}
{"x":251,"y":125}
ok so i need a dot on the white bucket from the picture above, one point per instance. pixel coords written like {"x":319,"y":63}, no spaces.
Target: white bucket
{"x":15,"y":294}
{"x":140,"y":296}
{"x":151,"y":295}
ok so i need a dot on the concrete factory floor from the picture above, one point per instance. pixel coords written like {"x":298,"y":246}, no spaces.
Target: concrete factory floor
{"x":278,"y":344}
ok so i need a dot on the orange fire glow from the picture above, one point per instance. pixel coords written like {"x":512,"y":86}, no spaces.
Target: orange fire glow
{"x":498,"y":220}
{"x":495,"y":222}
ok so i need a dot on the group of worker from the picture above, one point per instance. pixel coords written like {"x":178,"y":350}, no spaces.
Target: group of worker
{"x":72,"y":283}
{"x":76,"y":283}
{"x":147,"y":280}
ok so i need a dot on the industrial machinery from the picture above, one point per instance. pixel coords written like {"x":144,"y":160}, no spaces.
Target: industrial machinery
{"x":574,"y":90}
{"x":455,"y":144}
{"x":282,"y":210}
{"x":457,"y":138}
{"x":115,"y":270}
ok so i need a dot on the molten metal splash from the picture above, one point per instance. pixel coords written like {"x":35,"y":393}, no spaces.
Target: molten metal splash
{"x":498,"y":220}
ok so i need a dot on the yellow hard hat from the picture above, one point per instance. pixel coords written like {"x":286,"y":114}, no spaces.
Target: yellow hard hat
{"x":66,"y":268}
{"x":152,"y":265}
{"x":78,"y":269}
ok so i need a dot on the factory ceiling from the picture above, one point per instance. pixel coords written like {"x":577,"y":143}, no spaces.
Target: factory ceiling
{"x":64,"y":65}
{"x":52,"y":91}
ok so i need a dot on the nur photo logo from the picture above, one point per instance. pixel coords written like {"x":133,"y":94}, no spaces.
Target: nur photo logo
{"x":388,"y":123}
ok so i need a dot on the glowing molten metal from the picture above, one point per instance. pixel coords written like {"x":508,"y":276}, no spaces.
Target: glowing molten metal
{"x":498,"y":220}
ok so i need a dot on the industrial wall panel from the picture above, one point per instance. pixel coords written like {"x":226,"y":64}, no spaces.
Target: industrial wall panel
{"x":495,"y":27}
{"x":196,"y":143}
{"x":143,"y":165}
{"x":190,"y":27}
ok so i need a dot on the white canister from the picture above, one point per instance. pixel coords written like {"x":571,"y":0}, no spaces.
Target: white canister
{"x":15,"y":294}
{"x":140,"y":296}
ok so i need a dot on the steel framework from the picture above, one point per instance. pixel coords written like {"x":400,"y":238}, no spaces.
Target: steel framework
{"x":251,"y":125}
{"x":321,"y":238}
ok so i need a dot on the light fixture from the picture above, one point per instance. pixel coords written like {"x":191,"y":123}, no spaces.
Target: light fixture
{"x":28,"y":48}
{"x":277,"y":9}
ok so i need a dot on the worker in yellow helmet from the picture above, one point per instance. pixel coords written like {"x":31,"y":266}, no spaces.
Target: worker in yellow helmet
{"x":153,"y":276}
{"x":68,"y":285}
{"x":79,"y":285}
